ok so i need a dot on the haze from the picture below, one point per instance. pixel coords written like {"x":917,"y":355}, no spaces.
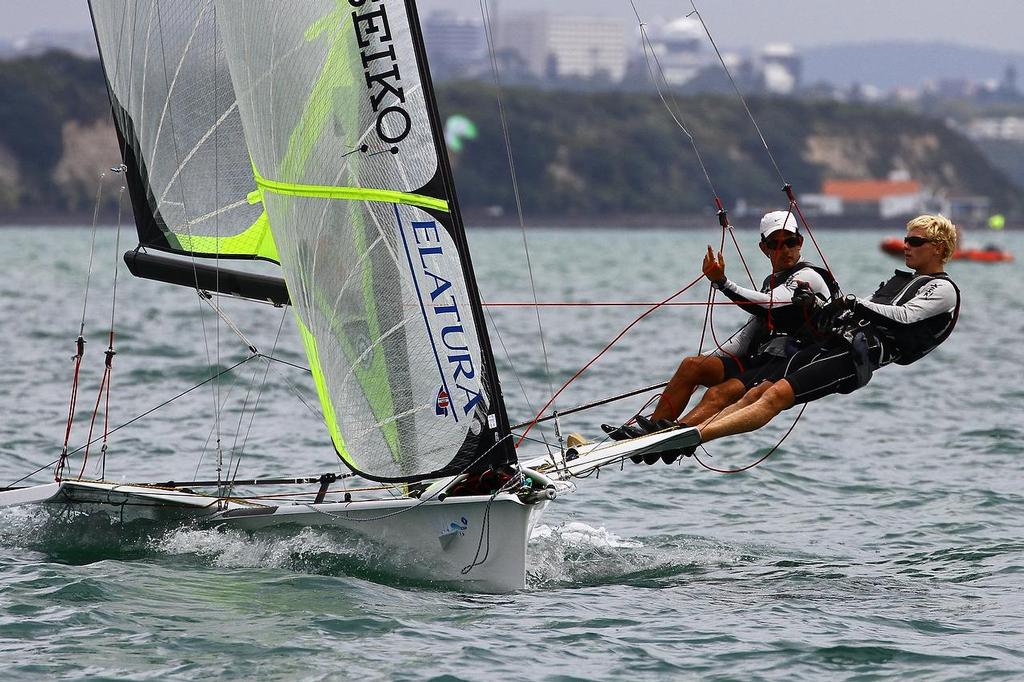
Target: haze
{"x":993,"y":24}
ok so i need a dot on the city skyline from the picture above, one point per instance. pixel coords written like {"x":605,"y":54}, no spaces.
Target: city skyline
{"x":736,"y":24}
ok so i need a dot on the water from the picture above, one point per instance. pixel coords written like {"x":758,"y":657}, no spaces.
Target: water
{"x":882,"y":540}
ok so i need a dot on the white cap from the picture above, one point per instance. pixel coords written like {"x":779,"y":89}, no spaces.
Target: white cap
{"x":778,"y":220}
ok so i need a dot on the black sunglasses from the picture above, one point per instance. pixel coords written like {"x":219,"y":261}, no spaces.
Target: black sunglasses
{"x":776,"y":244}
{"x":916,"y":241}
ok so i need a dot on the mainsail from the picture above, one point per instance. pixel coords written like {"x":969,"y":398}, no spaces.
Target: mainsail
{"x":344,"y":135}
{"x":188,"y":171}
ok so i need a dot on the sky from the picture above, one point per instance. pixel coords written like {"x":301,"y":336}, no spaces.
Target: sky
{"x":736,"y":24}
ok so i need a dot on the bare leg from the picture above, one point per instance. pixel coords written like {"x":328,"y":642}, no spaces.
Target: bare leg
{"x":716,"y":399}
{"x":748,"y":398}
{"x":774,"y":400}
{"x":700,"y":370}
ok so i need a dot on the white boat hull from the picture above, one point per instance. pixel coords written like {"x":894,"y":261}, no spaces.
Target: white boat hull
{"x":127,"y":501}
{"x":474,"y":542}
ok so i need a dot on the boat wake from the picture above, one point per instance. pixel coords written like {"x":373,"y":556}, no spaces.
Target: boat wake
{"x":74,"y":537}
{"x":572,"y":554}
{"x":315,"y":551}
{"x":576,"y":554}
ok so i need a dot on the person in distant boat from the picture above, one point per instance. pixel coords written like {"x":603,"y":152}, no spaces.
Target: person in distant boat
{"x":777,"y":328}
{"x":904,"y":320}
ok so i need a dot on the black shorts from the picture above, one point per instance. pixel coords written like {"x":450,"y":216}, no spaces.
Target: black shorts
{"x":822,"y":370}
{"x":755,"y":369}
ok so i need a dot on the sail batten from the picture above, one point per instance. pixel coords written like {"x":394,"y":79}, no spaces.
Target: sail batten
{"x":352,"y":193}
{"x":348,"y":160}
{"x":175,"y":114}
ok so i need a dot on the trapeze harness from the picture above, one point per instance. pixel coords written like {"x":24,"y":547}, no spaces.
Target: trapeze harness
{"x":782,"y":323}
{"x":905,"y":319}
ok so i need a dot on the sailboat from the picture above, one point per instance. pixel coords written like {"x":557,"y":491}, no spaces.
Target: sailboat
{"x":306,"y":135}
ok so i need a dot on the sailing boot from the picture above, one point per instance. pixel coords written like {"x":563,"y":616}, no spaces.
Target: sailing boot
{"x":624,"y":432}
{"x":654,"y":425}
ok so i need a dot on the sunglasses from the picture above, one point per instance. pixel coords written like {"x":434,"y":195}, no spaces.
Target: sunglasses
{"x":916,"y":241}
{"x":776,"y":244}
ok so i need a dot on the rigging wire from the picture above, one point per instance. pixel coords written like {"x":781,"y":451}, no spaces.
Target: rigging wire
{"x":793,"y":207}
{"x":649,"y":52}
{"x":255,"y":408}
{"x":103,"y":394}
{"x":594,"y":359}
{"x":169,"y":84}
{"x":486,"y":16}
{"x":647,"y":45}
{"x":739,"y":93}
{"x":786,"y":187}
{"x":80,"y":341}
{"x":146,"y":413}
{"x":92,"y":251}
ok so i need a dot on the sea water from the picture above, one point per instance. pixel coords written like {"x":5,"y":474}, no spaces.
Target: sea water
{"x":883,"y":539}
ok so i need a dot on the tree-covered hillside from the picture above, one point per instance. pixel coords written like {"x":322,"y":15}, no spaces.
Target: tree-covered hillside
{"x":586,"y":156}
{"x":582,"y":154}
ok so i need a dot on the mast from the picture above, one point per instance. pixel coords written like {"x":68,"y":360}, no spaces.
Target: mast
{"x":506,"y":448}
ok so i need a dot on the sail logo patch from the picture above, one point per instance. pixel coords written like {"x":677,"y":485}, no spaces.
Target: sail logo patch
{"x":432,"y":258}
{"x":441,"y":403}
{"x":377,"y":52}
{"x":454,"y":529}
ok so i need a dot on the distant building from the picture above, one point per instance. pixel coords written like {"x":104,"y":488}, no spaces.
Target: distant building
{"x":556,"y":46}
{"x":780,"y":68}
{"x":678,"y":46}
{"x":997,"y":128}
{"x":875,"y":198}
{"x":456,"y":46}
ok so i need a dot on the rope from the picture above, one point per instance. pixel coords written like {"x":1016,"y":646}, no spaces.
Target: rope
{"x":104,"y":389}
{"x":608,"y":304}
{"x":602,"y":352}
{"x":421,"y":501}
{"x":735,"y":87}
{"x":754,"y":464}
{"x":786,"y":187}
{"x":80,"y":341}
{"x":485,"y":14}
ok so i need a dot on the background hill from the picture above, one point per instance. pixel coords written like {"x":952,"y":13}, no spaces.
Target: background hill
{"x":889,"y":65}
{"x":612,"y":157}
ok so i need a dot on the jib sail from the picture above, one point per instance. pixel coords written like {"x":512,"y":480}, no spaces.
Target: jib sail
{"x":176,"y":115}
{"x":340,"y":120}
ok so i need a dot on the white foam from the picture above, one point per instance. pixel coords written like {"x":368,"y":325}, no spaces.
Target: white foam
{"x":238,"y":549}
{"x":580,"y":535}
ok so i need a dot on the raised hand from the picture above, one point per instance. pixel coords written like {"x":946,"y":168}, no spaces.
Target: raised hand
{"x":714,"y":268}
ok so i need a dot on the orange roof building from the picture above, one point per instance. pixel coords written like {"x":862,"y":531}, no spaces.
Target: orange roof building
{"x":869,"y":191}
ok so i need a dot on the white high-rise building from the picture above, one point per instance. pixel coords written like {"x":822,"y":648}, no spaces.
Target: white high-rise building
{"x":455,"y":45}
{"x":781,"y":67}
{"x":567,"y":46}
{"x":678,"y":45}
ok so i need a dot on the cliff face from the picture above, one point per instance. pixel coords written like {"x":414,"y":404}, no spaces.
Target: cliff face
{"x":54,"y":127}
{"x":577,"y":155}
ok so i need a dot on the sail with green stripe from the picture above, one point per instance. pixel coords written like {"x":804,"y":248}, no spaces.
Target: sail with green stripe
{"x":188,"y":171}
{"x":342,"y":128}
